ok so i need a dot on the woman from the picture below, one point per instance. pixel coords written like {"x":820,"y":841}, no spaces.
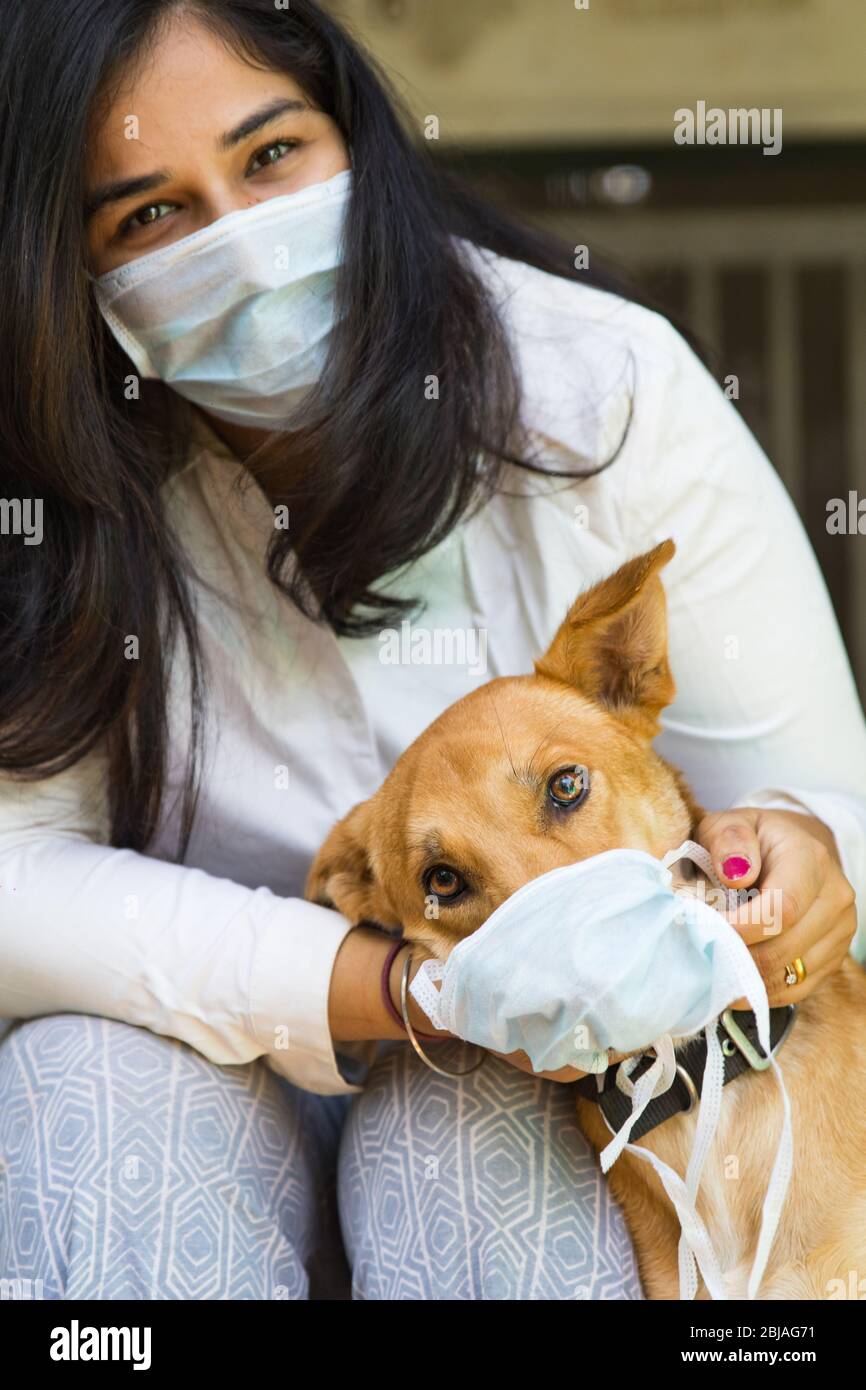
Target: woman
{"x":258,"y":433}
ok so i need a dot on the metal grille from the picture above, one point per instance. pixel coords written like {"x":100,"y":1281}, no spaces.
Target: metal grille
{"x":779,"y":298}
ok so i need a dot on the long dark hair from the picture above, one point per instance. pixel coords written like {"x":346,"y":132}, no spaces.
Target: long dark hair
{"x":374,"y":477}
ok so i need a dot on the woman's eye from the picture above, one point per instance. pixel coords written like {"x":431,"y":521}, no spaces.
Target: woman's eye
{"x":271,"y":154}
{"x":444,"y":883}
{"x":142,"y":218}
{"x":568,"y":787}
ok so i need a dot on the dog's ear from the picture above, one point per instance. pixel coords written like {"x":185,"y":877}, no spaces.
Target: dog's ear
{"x":342,"y":875}
{"x":613,"y":644}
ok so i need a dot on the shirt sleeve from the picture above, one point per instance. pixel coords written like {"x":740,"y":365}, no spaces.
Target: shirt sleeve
{"x":766,"y":711}
{"x":237,"y":973}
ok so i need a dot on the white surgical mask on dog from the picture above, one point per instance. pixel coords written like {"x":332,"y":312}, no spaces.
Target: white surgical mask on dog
{"x":599,"y":955}
{"x":237,"y":317}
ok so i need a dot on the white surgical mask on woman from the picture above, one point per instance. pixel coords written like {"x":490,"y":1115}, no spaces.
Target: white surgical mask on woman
{"x":237,"y":317}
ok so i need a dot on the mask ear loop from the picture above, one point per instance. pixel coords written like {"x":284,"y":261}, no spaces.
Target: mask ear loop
{"x":410,"y":1031}
{"x":709,"y":1115}
{"x":711,"y":1090}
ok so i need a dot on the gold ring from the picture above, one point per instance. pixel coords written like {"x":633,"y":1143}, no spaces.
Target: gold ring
{"x":796,"y":972}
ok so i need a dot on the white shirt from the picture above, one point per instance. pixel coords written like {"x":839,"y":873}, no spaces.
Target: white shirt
{"x":223,"y":952}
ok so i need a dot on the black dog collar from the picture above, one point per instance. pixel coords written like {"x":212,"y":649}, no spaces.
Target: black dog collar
{"x":742,"y":1052}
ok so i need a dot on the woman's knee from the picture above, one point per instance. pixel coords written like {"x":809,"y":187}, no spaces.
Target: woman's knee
{"x":135,"y":1168}
{"x":480,"y":1187}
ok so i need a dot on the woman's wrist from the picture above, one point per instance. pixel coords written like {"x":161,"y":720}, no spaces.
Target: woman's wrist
{"x":356,"y":1008}
{"x":417,"y":1017}
{"x":356,"y":1011}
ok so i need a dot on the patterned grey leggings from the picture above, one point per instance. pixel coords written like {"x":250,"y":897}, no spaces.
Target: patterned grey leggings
{"x":131,"y":1167}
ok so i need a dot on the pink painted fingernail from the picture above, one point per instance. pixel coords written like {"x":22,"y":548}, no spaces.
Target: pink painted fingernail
{"x":736,"y":866}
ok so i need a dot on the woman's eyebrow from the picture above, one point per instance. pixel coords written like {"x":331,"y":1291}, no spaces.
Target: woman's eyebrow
{"x":251,"y":123}
{"x":120,"y":189}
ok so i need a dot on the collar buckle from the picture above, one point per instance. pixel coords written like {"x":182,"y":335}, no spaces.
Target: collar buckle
{"x":746,"y":1047}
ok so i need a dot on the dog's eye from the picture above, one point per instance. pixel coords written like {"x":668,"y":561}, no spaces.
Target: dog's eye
{"x":444,"y":883}
{"x":568,"y":787}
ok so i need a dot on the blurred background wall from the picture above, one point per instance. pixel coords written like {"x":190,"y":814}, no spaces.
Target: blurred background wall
{"x":564,"y":112}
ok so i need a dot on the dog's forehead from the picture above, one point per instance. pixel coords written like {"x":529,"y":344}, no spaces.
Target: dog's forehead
{"x":515,"y":715}
{"x":498,"y":743}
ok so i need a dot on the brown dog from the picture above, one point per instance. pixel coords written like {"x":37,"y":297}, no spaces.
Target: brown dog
{"x":486,"y":799}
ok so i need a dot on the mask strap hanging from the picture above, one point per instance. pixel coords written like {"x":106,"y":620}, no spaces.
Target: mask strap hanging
{"x":780,"y":1177}
{"x":783,"y":1162}
{"x":695,"y":1248}
{"x":709,"y":1115}
{"x":655,"y":1081}
{"x":694,"y":1231}
{"x":695,"y":1245}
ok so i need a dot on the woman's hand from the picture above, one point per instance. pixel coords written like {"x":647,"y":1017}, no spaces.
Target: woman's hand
{"x":803,"y":905}
{"x":806,"y":904}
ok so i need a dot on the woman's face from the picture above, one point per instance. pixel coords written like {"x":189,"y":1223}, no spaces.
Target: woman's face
{"x":192,"y":134}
